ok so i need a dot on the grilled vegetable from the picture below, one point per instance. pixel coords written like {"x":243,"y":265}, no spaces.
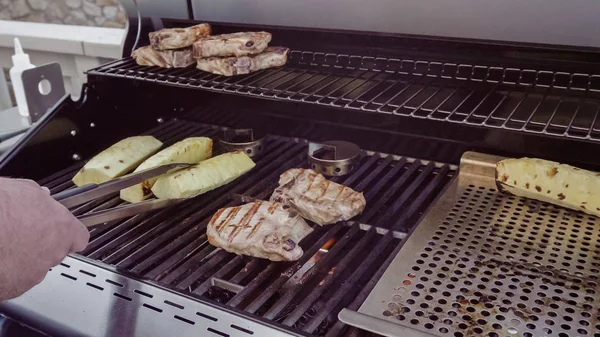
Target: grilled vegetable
{"x":262,"y":229}
{"x":204,"y":177}
{"x":117,"y":160}
{"x":551,"y":182}
{"x":188,"y":151}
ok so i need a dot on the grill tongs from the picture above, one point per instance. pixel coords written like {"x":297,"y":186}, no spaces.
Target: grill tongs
{"x":80,"y":195}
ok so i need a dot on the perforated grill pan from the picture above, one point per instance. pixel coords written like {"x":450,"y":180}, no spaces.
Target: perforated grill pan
{"x":487,"y":263}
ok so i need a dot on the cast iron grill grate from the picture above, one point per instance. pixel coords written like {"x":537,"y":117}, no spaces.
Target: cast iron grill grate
{"x":558,"y":104}
{"x":341,"y":263}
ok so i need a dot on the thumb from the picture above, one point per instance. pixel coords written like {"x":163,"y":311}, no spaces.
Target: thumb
{"x":80,"y":238}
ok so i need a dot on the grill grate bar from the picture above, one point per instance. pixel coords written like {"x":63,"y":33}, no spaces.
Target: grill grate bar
{"x":247,"y":270}
{"x":421,"y":199}
{"x":318,"y":290}
{"x":59,"y":177}
{"x":407,"y":193}
{"x":305,"y":279}
{"x":241,"y":296}
{"x":230,"y":266}
{"x":202,"y":253}
{"x":367,"y":288}
{"x":365,"y":182}
{"x":345,"y":287}
{"x":383,"y":182}
{"x":211,"y":262}
{"x":174,"y":260}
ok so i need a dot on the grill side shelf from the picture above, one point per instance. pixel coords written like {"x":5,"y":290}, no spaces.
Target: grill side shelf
{"x":553,"y":103}
{"x":487,"y":263}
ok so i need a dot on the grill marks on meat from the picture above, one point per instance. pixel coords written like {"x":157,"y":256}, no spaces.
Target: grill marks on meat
{"x":175,"y":38}
{"x":317,"y":199}
{"x":230,"y":66}
{"x":147,"y":56}
{"x":236,"y":44}
{"x":262,"y":229}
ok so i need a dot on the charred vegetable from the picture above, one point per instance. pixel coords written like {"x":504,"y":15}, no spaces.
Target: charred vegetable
{"x":117,"y":160}
{"x":201,"y":178}
{"x":551,"y":182}
{"x":188,"y":151}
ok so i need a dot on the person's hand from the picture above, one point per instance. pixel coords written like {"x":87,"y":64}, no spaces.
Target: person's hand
{"x":36,"y":233}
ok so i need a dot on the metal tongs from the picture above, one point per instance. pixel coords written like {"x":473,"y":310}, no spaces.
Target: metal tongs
{"x":80,"y":195}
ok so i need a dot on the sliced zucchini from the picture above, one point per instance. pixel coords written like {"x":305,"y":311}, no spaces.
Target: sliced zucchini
{"x":188,"y":151}
{"x":201,"y":178}
{"x":548,"y":181}
{"x":117,"y":160}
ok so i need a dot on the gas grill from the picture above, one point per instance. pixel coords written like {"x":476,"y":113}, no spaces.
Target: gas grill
{"x":437,"y":251}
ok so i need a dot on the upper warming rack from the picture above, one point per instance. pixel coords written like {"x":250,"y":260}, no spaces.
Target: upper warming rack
{"x":559,"y":104}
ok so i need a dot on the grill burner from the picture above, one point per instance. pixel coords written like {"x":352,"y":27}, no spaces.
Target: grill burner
{"x":241,"y":140}
{"x":333,"y":158}
{"x":169,"y":247}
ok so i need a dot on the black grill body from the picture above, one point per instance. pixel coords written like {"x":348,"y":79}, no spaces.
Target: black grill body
{"x":416,"y":104}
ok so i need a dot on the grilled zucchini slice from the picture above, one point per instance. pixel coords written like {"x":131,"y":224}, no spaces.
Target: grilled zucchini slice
{"x":548,"y":181}
{"x":117,"y":160}
{"x":204,"y":177}
{"x":188,"y":151}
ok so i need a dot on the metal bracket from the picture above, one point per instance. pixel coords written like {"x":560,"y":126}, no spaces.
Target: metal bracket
{"x":44,"y":86}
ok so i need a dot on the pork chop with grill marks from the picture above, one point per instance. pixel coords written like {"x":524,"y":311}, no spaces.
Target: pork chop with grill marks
{"x":261,"y":229}
{"x":175,"y":38}
{"x":236,"y":44}
{"x":316,"y":198}
{"x":229,"y":66}
{"x":147,"y":56}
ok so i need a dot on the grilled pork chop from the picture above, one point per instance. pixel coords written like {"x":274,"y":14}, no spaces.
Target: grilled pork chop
{"x":175,"y":38}
{"x":229,"y":66}
{"x":262,"y":229}
{"x":236,"y":44}
{"x":146,"y":56}
{"x":316,"y":198}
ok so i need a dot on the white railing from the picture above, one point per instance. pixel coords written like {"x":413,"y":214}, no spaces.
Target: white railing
{"x":75,"y":48}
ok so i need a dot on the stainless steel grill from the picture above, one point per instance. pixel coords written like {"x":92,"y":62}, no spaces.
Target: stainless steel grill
{"x":341,"y":263}
{"x":520,"y":99}
{"x":479,"y":263}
